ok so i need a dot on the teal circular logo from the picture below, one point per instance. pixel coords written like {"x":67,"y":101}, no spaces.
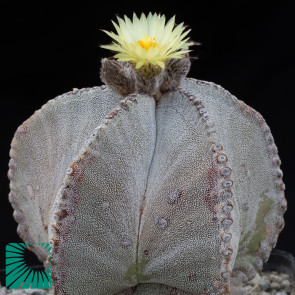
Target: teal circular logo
{"x":19,"y":275}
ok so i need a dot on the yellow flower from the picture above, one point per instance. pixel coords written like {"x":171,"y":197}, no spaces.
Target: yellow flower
{"x":148,"y":40}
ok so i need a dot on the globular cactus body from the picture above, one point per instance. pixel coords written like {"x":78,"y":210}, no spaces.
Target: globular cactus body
{"x":186,"y":193}
{"x":147,"y":186}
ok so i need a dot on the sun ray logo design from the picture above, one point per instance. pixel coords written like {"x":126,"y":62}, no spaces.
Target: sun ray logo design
{"x":19,"y":274}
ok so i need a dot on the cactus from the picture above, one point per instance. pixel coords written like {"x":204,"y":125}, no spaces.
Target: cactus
{"x":151,"y":184}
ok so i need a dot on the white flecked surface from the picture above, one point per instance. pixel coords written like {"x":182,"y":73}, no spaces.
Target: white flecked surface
{"x":260,"y":285}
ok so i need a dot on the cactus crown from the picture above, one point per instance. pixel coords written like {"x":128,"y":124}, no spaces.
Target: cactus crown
{"x":153,"y":56}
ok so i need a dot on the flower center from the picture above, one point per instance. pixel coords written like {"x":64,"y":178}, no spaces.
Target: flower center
{"x":147,"y":42}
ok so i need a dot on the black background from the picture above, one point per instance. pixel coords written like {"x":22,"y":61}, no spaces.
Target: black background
{"x":247,"y":47}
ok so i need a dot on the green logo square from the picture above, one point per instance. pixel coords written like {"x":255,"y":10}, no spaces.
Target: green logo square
{"x":18,"y":274}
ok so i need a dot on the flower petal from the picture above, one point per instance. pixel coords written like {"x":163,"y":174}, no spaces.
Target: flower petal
{"x":148,"y":39}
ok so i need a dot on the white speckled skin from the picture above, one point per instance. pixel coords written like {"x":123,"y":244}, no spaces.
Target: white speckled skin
{"x":182,"y":196}
{"x":42,"y":149}
{"x":258,"y":188}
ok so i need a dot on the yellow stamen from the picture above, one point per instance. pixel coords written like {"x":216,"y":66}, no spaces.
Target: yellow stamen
{"x":147,"y":42}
